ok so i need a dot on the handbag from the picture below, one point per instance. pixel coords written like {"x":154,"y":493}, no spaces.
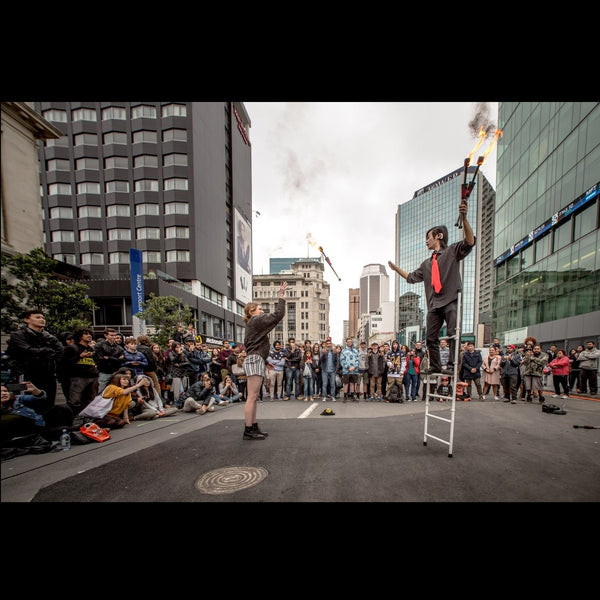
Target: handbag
{"x":94,"y":432}
{"x":98,"y":407}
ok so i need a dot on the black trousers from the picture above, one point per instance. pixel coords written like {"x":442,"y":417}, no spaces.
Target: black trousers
{"x":589,"y":376}
{"x":435,"y":321}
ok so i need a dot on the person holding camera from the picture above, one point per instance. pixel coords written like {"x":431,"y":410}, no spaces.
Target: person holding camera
{"x":34,"y":353}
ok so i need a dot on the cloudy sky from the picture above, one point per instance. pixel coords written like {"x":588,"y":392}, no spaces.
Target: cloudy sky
{"x":339,"y":170}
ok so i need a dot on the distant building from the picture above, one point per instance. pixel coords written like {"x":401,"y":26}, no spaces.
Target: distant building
{"x":307,"y":300}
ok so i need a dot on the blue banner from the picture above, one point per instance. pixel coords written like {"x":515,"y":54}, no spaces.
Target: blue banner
{"x":137,"y":280}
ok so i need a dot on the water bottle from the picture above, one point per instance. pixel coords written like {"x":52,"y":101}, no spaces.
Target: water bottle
{"x":65,"y":440}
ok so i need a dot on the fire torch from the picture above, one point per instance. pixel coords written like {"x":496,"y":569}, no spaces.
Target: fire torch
{"x":467,"y":188}
{"x":329,"y":262}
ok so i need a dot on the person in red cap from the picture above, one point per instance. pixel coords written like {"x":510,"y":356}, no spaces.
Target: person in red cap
{"x":509,"y":373}
{"x":440,"y":275}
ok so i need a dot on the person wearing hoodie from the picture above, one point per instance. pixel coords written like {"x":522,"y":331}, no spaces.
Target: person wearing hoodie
{"x":349,"y":361}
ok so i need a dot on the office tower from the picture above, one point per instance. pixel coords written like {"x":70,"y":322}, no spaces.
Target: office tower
{"x":170,"y":179}
{"x":547,"y":246}
{"x":437,"y":204}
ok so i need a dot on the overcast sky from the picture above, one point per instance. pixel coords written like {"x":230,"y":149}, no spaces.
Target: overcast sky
{"x":339,"y":170}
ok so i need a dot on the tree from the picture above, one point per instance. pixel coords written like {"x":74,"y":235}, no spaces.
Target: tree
{"x":30,"y":281}
{"x":165,"y":313}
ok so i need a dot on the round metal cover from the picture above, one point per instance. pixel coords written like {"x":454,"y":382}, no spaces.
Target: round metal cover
{"x":230,"y":479}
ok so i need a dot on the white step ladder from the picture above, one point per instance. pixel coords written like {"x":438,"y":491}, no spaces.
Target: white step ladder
{"x":429,"y":394}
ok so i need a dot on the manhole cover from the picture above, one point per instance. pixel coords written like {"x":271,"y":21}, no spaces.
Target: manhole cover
{"x":230,"y":479}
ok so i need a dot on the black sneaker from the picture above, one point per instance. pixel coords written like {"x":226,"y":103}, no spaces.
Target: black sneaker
{"x":253,"y":435}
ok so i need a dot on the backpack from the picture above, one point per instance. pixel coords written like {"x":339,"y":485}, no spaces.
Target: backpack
{"x":394,"y":394}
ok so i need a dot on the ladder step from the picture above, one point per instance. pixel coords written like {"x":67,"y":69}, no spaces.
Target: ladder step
{"x":440,"y":396}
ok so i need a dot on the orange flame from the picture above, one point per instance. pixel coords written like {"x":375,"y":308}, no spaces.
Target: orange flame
{"x":310,"y":240}
{"x":496,"y":136}
{"x":481,"y":138}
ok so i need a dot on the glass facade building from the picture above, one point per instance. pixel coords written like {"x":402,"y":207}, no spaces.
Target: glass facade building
{"x":437,"y":204}
{"x":547,"y":244}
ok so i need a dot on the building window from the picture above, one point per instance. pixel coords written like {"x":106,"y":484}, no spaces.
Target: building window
{"x":84,"y":114}
{"x":88,"y":187}
{"x":114,"y":137}
{"x":55,"y":115}
{"x":116,"y":186}
{"x":174,"y":135}
{"x":138,"y":112}
{"x":54,"y":189}
{"x":119,"y":234}
{"x":62,"y":142}
{"x":119,"y":258}
{"x":146,"y":209}
{"x":146,"y":185}
{"x":63,"y":236}
{"x":177,"y":208}
{"x":174,"y":110}
{"x":90,"y":139}
{"x":114,"y":112}
{"x":177,"y":232}
{"x":178,"y":256}
{"x":89,"y":211}
{"x":92,"y":258}
{"x":61,"y":212}
{"x":87,"y":163}
{"x":116,"y":162}
{"x":58,"y":164}
{"x":147,"y":233}
{"x":175,"y":183}
{"x":170,"y":160}
{"x":151,"y":257}
{"x":145,"y":160}
{"x":144,"y":136}
{"x":90,"y":235}
{"x":66,"y":258}
{"x":117,"y":210}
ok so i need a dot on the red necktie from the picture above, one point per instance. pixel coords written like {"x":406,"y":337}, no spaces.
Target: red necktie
{"x":435,"y":274}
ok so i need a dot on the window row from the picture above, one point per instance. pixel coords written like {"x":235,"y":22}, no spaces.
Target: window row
{"x":119,"y":210}
{"x":117,"y":162}
{"x":141,"y":185}
{"x":141,"y":233}
{"x":118,"y":137}
{"x":115,"y":112}
{"x":97,"y":258}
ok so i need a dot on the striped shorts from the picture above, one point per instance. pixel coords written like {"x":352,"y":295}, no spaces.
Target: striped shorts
{"x":254,"y":364}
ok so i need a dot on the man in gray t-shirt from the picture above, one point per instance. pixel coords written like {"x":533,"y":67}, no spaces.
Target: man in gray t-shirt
{"x":441,"y":295}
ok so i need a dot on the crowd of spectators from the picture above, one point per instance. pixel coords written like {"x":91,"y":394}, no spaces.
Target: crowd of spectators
{"x":147,"y":381}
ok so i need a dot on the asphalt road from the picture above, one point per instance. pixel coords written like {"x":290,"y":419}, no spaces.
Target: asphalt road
{"x":366,"y":452}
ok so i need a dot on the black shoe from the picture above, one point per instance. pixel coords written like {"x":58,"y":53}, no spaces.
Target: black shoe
{"x":257,"y":429}
{"x":250,"y":434}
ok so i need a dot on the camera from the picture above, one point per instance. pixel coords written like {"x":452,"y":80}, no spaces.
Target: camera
{"x":15,"y":388}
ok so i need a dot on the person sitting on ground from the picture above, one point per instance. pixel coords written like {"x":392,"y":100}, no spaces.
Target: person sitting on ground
{"x":27,"y":413}
{"x":228,"y":391}
{"x":150,"y":404}
{"x":119,"y":387}
{"x":444,"y":388}
{"x":201,"y":396}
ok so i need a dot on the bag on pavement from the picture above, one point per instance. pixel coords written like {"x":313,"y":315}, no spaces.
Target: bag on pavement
{"x":98,"y":407}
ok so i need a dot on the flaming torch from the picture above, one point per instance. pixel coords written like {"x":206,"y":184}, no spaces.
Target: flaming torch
{"x":329,"y":262}
{"x":467,"y":188}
